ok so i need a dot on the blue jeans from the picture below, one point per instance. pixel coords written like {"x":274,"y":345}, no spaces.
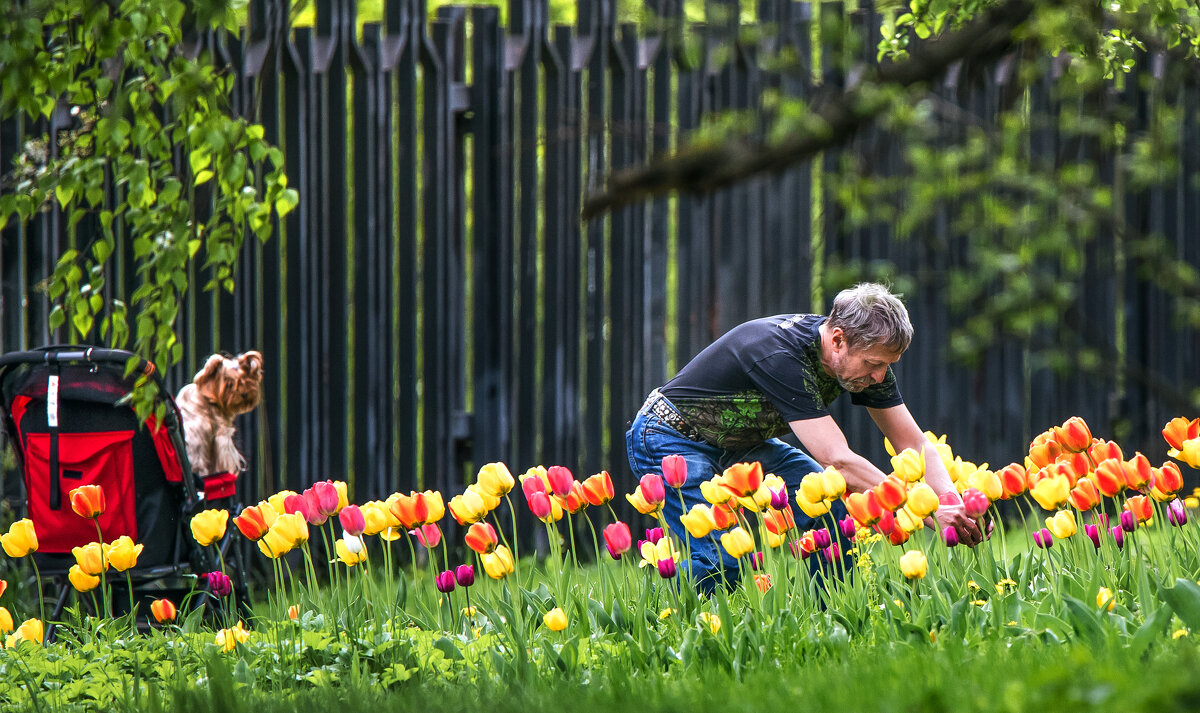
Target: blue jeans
{"x":649,"y":439}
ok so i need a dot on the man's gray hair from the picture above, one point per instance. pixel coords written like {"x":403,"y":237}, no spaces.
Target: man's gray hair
{"x":869,"y":314}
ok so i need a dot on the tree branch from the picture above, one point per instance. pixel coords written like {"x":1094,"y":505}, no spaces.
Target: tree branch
{"x":839,"y":117}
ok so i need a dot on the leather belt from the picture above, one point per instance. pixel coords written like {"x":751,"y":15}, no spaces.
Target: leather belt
{"x":662,"y":407}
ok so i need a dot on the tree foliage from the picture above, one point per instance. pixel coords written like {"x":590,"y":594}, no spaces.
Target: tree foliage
{"x":154,"y":155}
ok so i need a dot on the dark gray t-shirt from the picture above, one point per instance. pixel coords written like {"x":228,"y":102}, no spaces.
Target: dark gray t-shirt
{"x":745,"y":387}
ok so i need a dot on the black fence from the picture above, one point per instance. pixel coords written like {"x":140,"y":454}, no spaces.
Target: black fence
{"x":435,"y":303}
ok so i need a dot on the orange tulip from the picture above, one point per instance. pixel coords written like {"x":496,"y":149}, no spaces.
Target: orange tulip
{"x":1141,"y":507}
{"x":1138,"y":471}
{"x":1066,"y":469}
{"x":163,"y":610}
{"x":724,"y":516}
{"x":743,"y":479}
{"x":598,"y":488}
{"x":88,"y":501}
{"x":891,"y":493}
{"x":1044,"y":449}
{"x":1102,"y":450}
{"x":762,"y":581}
{"x":574,"y":500}
{"x":411,"y":510}
{"x":482,"y":538}
{"x":1080,"y":463}
{"x":864,"y":508}
{"x":1084,"y":495}
{"x":1180,"y":429}
{"x":1110,"y":477}
{"x":1013,"y":480}
{"x":898,"y":536}
{"x":253,"y":522}
{"x":779,"y":521}
{"x":1074,"y":435}
{"x":1167,"y":481}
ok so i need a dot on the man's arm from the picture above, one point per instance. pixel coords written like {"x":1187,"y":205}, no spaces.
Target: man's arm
{"x":898,"y":425}
{"x":824,"y":441}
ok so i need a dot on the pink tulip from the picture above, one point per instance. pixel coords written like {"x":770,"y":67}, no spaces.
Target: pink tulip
{"x":429,"y":536}
{"x":529,"y":486}
{"x":300,"y":504}
{"x":674,"y":469}
{"x":560,"y":480}
{"x":975,"y":503}
{"x":617,"y":539}
{"x":353,"y":520}
{"x":539,"y":504}
{"x":324,"y":497}
{"x":653,"y":490}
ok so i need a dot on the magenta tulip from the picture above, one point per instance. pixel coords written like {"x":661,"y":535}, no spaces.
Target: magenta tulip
{"x":1042,"y":538}
{"x":1128,"y":521}
{"x":444,"y":582}
{"x":950,"y":536}
{"x":821,"y":538}
{"x":1093,"y":533}
{"x":1177,"y":513}
{"x":464,"y":574}
{"x":666,"y":568}
{"x":1118,"y":535}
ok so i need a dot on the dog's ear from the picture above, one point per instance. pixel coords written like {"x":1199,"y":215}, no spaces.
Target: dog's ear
{"x":209,"y":372}
{"x":251,"y":364}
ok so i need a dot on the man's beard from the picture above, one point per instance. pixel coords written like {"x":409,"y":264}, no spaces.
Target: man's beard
{"x":854,"y":386}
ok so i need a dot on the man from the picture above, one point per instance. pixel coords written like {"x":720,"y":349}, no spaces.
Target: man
{"x":773,"y":375}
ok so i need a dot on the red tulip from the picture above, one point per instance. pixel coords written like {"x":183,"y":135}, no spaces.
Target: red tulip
{"x":1013,"y":480}
{"x":1167,"y":479}
{"x":1110,"y":477}
{"x":481,"y":537}
{"x":864,"y":507}
{"x":1138,"y":471}
{"x":891,"y":493}
{"x":252,"y":522}
{"x":87,"y":501}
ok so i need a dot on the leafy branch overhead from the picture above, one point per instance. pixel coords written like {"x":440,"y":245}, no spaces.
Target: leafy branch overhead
{"x":153,"y":158}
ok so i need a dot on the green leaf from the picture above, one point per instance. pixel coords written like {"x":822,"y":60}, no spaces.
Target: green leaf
{"x":1184,"y":599}
{"x":1154,"y":626}
{"x":64,"y":194}
{"x":1085,"y":620}
{"x":203,"y":177}
{"x":286,"y":201}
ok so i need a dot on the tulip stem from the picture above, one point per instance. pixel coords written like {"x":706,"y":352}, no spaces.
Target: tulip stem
{"x":596,"y":548}
{"x":512,"y":516}
{"x":37,"y":574}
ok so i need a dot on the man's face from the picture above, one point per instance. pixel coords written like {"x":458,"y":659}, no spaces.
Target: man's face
{"x":856,"y":368}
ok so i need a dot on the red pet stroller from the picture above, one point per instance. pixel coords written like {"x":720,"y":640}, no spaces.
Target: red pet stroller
{"x":68,"y":416}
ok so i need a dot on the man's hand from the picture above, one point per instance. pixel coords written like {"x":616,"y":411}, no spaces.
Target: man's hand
{"x":970,"y":531}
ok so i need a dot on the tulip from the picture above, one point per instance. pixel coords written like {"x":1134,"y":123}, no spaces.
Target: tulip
{"x":6,"y":621}
{"x":498,"y":564}
{"x":714,"y":490}
{"x":87,"y":501}
{"x":864,"y":508}
{"x":778,"y":521}
{"x":922,"y":501}
{"x":949,"y":536}
{"x":323,"y":499}
{"x":1042,"y":538}
{"x":725,"y":516}
{"x":812,"y":489}
{"x":1052,"y":492}
{"x":574,"y":501}
{"x":598,"y":488}
{"x":710,"y":621}
{"x":913,"y":564}
{"x":1180,"y":430}
{"x":123,"y":553}
{"x":412,"y":509}
{"x":699,"y":520}
{"x":907,"y":521}
{"x":444,"y":582}
{"x":675,"y":470}
{"x":975,"y":502}
{"x":1176,"y":513}
{"x":1138,"y":471}
{"x":534,"y":481}
{"x":1093,"y":533}
{"x":1118,"y":534}
{"x":848,"y":527}
{"x":887,"y":523}
{"x":255,"y":520}
{"x":429,"y":536}
{"x":763,"y":582}
{"x":1129,"y":521}
{"x":163,"y":610}
{"x":909,"y":465}
{"x":1074,"y":435}
{"x":891,"y":493}
{"x":496,"y":479}
{"x":667,"y":568}
{"x":353,"y":520}
{"x":639,"y":502}
{"x":228,"y":639}
{"x":653,"y":553}
{"x":466,"y":508}
{"x":1105,"y":599}
{"x":555,"y":619}
{"x":743,"y":479}
{"x":1062,"y":524}
{"x":655,"y":534}
{"x":1044,"y":449}
{"x":560,"y":479}
{"x":617,"y":539}
{"x":92,"y":558}
{"x":545,"y":508}
{"x":209,"y":526}
{"x":218,"y":583}
{"x":1141,"y":507}
{"x":303,"y":506}
{"x":82,"y":581}
{"x":1102,"y":450}
{"x":779,"y":499}
{"x":1190,"y":453}
{"x":988,"y":483}
{"x":1085,"y":496}
{"x":1168,"y":480}
{"x":652,"y":489}
{"x":285,"y":534}
{"x":30,"y":630}
{"x":811,"y":508}
{"x":1013,"y":480}
{"x":464,"y":575}
{"x":821,"y":538}
{"x":1110,"y":477}
{"x":832,"y":553}
{"x":808,"y":542}
{"x":277,"y":501}
{"x":20,"y":540}
{"x":756,"y":561}
{"x":738,"y":542}
{"x":833,"y":482}
{"x":3,"y":586}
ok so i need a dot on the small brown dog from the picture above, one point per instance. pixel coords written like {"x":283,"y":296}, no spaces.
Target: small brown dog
{"x":225,"y":387}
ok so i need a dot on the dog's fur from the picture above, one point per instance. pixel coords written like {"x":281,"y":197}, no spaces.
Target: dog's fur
{"x":223,"y":388}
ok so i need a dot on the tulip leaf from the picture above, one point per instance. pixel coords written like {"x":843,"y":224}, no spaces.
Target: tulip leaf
{"x":600,"y":617}
{"x":618,"y":615}
{"x":958,"y":618}
{"x":447,"y":647}
{"x":1154,"y":626}
{"x":1085,"y":620}
{"x":1184,"y":599}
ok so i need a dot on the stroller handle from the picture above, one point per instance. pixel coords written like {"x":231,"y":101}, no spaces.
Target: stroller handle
{"x":60,"y":354}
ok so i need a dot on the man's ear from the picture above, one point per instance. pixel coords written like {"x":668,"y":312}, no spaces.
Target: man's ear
{"x":837,"y":337}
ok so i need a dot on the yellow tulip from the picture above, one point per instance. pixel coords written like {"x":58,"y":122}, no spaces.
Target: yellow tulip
{"x":1052,"y":492}
{"x":1105,"y":599}
{"x":92,"y":558}
{"x":988,"y":483}
{"x":6,"y":621}
{"x":288,"y":532}
{"x":654,"y":552}
{"x":714,"y":490}
{"x":498,"y":564}
{"x":699,"y":520}
{"x":737,"y":542}
{"x":20,"y":540}
{"x":276,"y":500}
{"x":123,"y":554}
{"x":496,"y":479}
{"x":913,"y":564}
{"x":209,"y":526}
{"x":711,"y":621}
{"x":82,"y":581}
{"x":29,"y":630}
{"x":756,"y":501}
{"x":555,"y":619}
{"x":347,"y":554}
{"x":811,"y":508}
{"x":922,"y":501}
{"x":812,"y":489}
{"x":909,"y":465}
{"x":775,"y":541}
{"x":1062,"y":525}
{"x":833,"y":482}
{"x":228,"y":639}
{"x":437,"y":506}
{"x":638,"y":502}
{"x":907,"y":521}
{"x":468,"y":508}
{"x":375,"y":516}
